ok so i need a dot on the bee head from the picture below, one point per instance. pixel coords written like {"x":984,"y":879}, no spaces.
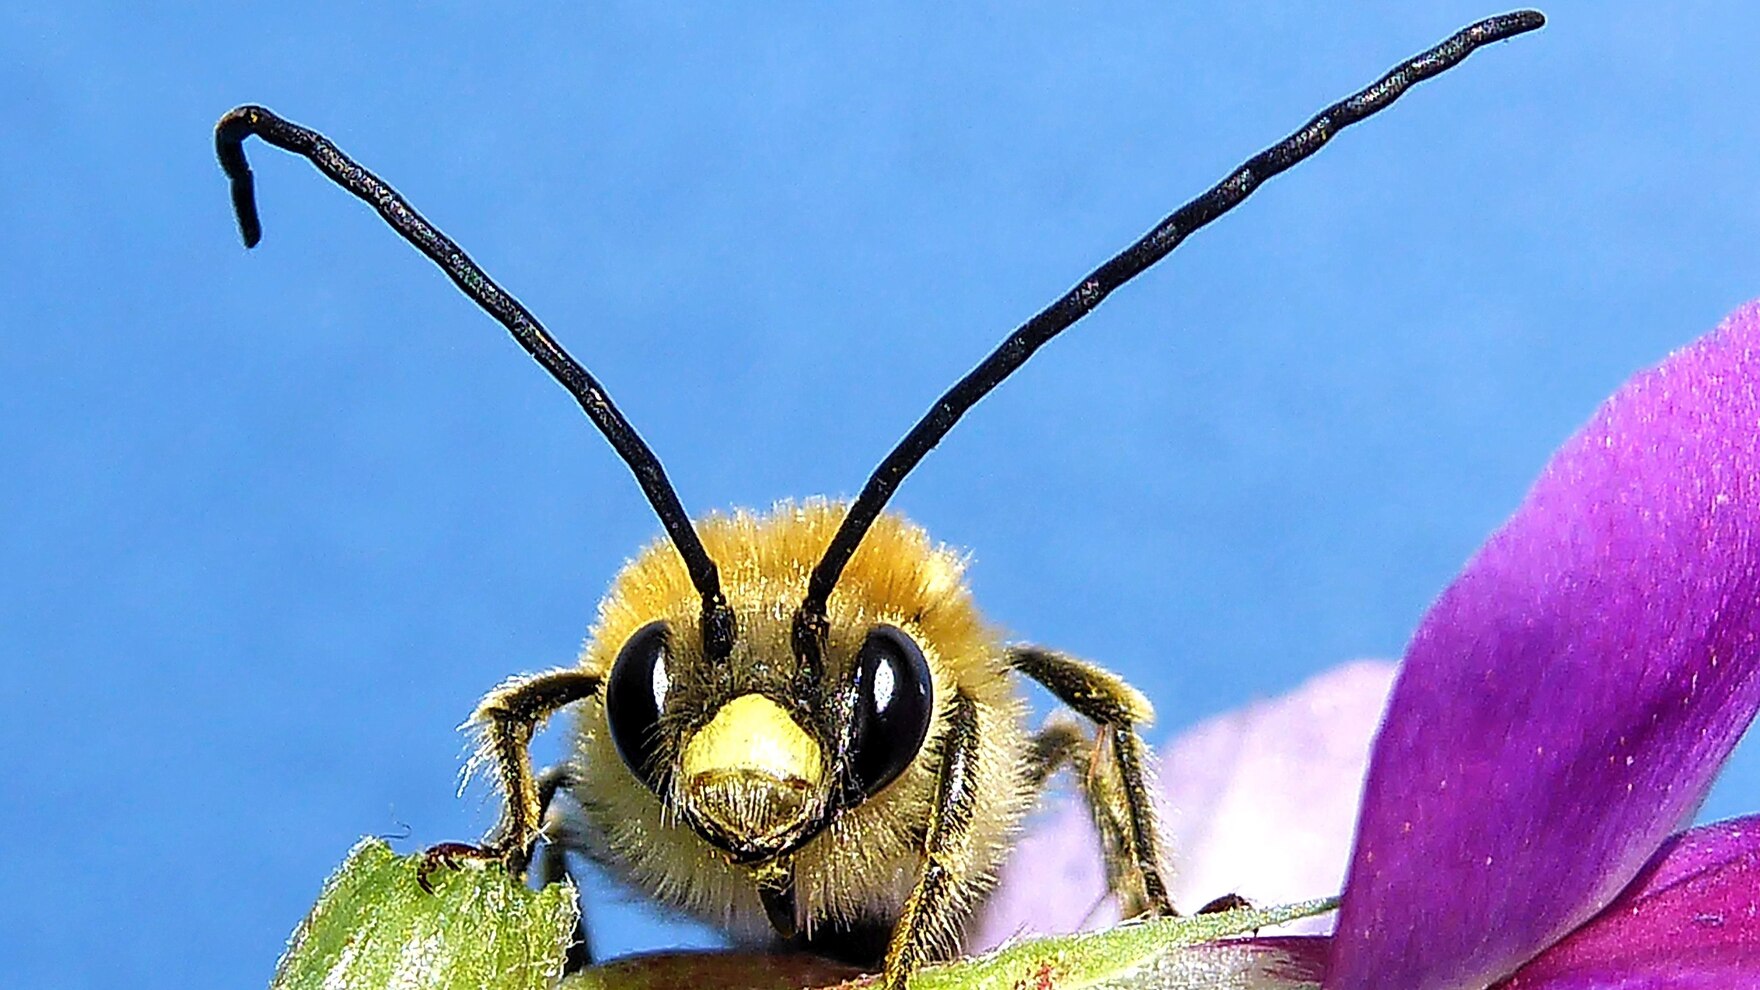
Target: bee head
{"x":754,"y":757}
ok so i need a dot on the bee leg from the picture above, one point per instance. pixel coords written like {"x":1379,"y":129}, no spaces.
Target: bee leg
{"x":505,"y":721}
{"x":944,"y":886}
{"x":1119,"y":793}
{"x":1056,"y":746}
{"x":1103,"y":785}
{"x":1059,"y":745}
{"x":552,"y":862}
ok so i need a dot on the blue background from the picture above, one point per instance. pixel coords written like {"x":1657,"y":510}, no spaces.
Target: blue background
{"x":275,"y":520}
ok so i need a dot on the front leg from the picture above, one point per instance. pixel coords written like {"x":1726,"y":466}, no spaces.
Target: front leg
{"x":1120,"y":799}
{"x":552,"y":865}
{"x":505,"y":721}
{"x":944,"y":886}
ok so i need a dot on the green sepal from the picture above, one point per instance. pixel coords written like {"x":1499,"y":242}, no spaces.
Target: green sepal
{"x":1194,"y":952}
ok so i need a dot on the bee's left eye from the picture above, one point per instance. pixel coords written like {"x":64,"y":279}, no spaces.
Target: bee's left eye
{"x":894,"y":705}
{"x":634,"y":698}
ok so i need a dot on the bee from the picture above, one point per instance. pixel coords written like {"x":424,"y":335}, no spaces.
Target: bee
{"x":796,"y":724}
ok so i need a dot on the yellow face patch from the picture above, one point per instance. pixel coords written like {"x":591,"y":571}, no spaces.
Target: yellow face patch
{"x":753,"y":734}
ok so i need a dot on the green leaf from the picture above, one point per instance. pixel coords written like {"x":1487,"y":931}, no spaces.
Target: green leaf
{"x":374,"y":928}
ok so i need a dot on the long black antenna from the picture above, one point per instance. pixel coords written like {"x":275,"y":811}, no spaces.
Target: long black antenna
{"x":245,"y":121}
{"x":1128,"y":264}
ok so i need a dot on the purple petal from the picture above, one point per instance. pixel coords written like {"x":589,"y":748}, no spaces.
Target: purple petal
{"x":1568,"y":700}
{"x":1259,"y":802}
{"x":1691,"y":921}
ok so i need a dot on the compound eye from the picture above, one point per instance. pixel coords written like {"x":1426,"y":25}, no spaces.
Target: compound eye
{"x":894,"y":703}
{"x":634,"y":698}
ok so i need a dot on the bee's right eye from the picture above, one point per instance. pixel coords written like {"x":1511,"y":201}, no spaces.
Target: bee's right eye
{"x":634,"y":699}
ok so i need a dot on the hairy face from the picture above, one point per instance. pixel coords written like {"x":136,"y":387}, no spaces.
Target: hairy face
{"x":698,"y":776}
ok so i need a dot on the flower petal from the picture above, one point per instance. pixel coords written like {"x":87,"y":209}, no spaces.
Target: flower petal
{"x":1567,"y":702}
{"x":1691,"y":921}
{"x":1258,"y":802}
